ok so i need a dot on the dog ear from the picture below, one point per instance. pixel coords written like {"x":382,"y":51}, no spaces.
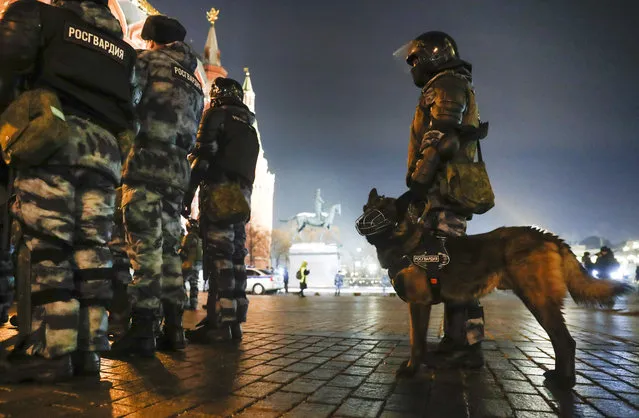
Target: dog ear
{"x":372,"y":195}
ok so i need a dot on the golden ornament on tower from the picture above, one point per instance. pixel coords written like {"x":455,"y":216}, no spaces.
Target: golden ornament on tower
{"x":147,"y":8}
{"x":212,"y":14}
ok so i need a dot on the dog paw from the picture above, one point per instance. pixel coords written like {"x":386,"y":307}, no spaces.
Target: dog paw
{"x":559,"y":380}
{"x":407,"y":369}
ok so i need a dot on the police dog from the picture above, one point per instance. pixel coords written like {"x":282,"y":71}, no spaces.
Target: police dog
{"x":536,"y":265}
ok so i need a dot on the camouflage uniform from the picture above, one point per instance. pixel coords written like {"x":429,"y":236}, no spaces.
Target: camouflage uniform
{"x":224,"y":168}
{"x":191,"y":253}
{"x":65,"y":206}
{"x":156,"y":174}
{"x":448,"y":99}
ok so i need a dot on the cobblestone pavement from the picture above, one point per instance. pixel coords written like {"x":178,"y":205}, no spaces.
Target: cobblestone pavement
{"x":336,"y":356}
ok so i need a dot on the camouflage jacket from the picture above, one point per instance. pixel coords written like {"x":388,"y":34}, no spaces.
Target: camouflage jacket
{"x":168,"y":106}
{"x":20,"y":42}
{"x":447,"y":103}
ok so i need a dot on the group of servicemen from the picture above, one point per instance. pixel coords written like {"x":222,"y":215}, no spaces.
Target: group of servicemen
{"x":131,"y":122}
{"x":104,"y":148}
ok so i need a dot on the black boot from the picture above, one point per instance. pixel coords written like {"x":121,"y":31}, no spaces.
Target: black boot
{"x":4,"y":314}
{"x":205,"y":331}
{"x":454,"y":329}
{"x":172,"y":337}
{"x":236,"y":331}
{"x":446,"y":345}
{"x":119,"y":311}
{"x":139,"y":339}
{"x":22,"y":368}
{"x":86,"y":363}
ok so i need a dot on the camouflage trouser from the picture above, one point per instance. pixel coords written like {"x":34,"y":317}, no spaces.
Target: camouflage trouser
{"x":152,"y":225}
{"x":192,"y":276}
{"x":66,"y":215}
{"x":464,"y":323}
{"x":224,"y":252}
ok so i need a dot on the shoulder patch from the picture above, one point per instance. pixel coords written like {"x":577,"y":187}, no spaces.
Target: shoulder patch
{"x":112,"y":48}
{"x":186,"y":77}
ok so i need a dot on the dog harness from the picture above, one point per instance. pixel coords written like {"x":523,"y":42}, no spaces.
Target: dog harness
{"x":431,"y":260}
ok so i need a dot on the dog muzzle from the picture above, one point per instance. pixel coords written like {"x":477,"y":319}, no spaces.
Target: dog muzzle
{"x":372,"y":222}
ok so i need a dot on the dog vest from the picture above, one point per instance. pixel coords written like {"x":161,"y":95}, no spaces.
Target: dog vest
{"x":430,"y":259}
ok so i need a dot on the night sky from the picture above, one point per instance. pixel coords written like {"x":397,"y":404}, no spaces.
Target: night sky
{"x":555,"y":79}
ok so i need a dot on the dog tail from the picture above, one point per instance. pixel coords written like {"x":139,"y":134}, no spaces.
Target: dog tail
{"x":585,"y":289}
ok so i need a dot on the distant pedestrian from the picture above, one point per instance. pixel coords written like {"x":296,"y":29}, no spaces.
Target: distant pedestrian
{"x":385,"y":281}
{"x":285,"y":274}
{"x":301,"y":275}
{"x":606,"y":263}
{"x":339,"y":282}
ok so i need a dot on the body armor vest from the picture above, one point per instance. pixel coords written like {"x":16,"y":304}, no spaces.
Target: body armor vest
{"x":239,"y":146}
{"x":469,"y":121}
{"x":90,"y":70}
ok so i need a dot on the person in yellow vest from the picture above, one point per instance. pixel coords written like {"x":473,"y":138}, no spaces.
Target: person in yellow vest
{"x":301,"y":275}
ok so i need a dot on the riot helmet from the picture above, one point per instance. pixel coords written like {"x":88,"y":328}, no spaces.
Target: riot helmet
{"x":428,"y":54}
{"x":226,"y":88}
{"x":373,"y":222}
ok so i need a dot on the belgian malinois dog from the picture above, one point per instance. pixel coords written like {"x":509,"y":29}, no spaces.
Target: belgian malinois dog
{"x":536,"y":265}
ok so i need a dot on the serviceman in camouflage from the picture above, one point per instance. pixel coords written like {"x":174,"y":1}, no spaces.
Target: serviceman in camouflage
{"x":65,"y":205}
{"x":224,"y":167}
{"x":120,"y":309}
{"x":446,"y":108}
{"x":191,"y":253}
{"x":155,"y":177}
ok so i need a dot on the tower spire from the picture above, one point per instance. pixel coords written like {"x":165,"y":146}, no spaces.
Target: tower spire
{"x":212,"y":62}
{"x":249,"y":94}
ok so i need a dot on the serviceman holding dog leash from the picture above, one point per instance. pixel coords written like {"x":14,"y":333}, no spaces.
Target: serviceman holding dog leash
{"x":442,"y":175}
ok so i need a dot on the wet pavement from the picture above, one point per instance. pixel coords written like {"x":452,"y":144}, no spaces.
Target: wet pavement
{"x":336,"y":356}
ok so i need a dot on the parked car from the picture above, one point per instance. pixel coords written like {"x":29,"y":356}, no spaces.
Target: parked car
{"x":261,"y":281}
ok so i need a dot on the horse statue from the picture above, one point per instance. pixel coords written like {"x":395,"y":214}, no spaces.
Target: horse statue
{"x":319,"y":218}
{"x":305,"y":219}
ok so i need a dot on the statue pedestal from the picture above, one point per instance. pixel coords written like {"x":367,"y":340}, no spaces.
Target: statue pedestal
{"x":323,"y":263}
